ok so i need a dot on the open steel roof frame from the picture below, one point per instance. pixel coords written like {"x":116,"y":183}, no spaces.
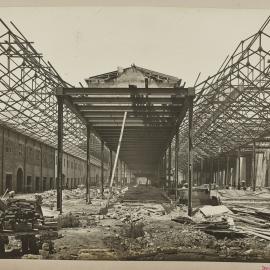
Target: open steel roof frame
{"x":231,"y":108}
{"x":153,"y":117}
{"x":27,"y":99}
{"x":148,"y":117}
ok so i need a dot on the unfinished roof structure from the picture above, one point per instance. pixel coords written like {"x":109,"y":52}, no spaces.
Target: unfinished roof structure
{"x":134,"y":108}
{"x":230,"y":119}
{"x":27,"y":100}
{"x":155,"y":105}
{"x":231,"y":110}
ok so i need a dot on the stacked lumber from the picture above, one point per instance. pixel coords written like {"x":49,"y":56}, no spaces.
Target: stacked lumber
{"x":213,"y":225}
{"x":244,"y":197}
{"x":20,"y":215}
{"x":219,"y":229}
{"x":261,"y":233}
{"x":250,"y":220}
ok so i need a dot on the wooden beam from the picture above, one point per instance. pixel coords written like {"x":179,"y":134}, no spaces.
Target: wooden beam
{"x":118,"y":149}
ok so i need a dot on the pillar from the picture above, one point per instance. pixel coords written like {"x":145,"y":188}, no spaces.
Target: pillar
{"x":201,"y":172}
{"x":190,"y":156}
{"x":254,"y":166}
{"x":102,"y":168}
{"x":170,"y":165}
{"x":238,"y":169}
{"x":176,"y":161}
{"x":88,"y":164}
{"x":111,"y":164}
{"x":59,"y":154}
{"x":227,"y":171}
{"x":165,"y":169}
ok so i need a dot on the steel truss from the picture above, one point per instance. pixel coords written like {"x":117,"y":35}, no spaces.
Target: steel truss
{"x":27,"y":99}
{"x":231,"y":108}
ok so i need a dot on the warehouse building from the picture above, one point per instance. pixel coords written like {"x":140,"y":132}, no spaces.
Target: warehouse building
{"x":27,"y":165}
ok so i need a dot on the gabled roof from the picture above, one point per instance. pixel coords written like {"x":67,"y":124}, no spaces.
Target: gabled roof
{"x":147,"y":72}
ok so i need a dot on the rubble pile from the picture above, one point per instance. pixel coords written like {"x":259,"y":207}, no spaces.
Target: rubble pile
{"x":142,"y":193}
{"x":68,"y":220}
{"x":135,"y":212}
{"x":141,"y":223}
{"x":49,"y":196}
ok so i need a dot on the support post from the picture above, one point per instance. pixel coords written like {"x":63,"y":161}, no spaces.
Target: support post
{"x":124,"y":178}
{"x":239,"y":169}
{"x":3,"y":163}
{"x":102,"y":168}
{"x":60,"y":154}
{"x":201,"y":172}
{"x":111,"y":163}
{"x":254,"y":166}
{"x":170,"y":166}
{"x":165,"y":169}
{"x":211,"y":180}
{"x":218,"y":172}
{"x":88,"y":175}
{"x":227,"y":171}
{"x":176,"y":162}
{"x":190,"y":156}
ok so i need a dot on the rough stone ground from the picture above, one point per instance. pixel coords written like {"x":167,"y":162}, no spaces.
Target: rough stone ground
{"x":139,"y":231}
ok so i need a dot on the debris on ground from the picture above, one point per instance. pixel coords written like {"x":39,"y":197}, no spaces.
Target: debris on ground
{"x":142,"y":223}
{"x":24,"y":229}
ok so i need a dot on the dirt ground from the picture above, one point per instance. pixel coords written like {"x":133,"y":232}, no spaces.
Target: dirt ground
{"x":140,"y":231}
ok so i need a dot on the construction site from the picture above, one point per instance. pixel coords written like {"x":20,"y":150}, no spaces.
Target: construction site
{"x":134,"y":164}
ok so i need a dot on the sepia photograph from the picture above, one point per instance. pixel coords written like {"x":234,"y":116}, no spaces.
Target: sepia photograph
{"x":135,"y":133}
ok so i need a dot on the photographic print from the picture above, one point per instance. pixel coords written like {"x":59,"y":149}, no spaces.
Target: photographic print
{"x":135,"y":133}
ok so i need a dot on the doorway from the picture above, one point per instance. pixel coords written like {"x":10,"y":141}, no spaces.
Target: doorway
{"x":29,"y":184}
{"x":37,"y":184}
{"x":9,"y":182}
{"x":20,"y":180}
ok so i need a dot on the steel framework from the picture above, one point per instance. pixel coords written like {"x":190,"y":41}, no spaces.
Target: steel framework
{"x":27,"y":99}
{"x":231,"y":108}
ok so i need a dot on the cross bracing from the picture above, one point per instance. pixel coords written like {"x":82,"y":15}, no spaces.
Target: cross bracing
{"x":27,"y":98}
{"x":231,"y":108}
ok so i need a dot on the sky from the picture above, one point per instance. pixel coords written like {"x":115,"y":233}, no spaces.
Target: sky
{"x":87,"y":41}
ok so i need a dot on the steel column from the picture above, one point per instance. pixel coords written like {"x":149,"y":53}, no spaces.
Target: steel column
{"x":190,"y":156}
{"x":227,"y":171}
{"x":3,"y":163}
{"x":176,"y":162}
{"x":218,"y":172}
{"x":111,"y":164}
{"x":170,"y":166}
{"x":239,"y":169}
{"x":211,"y":171}
{"x":254,"y":166}
{"x":165,"y":169}
{"x":88,"y":164}
{"x":124,"y":174}
{"x":59,"y":154}
{"x":201,"y":172}
{"x":102,"y":168}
